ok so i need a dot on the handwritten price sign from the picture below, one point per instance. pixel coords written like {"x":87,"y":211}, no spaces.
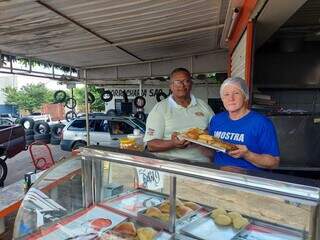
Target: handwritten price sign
{"x":149,"y":179}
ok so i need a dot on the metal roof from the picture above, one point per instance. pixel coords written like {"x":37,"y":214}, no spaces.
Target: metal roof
{"x":85,"y":33}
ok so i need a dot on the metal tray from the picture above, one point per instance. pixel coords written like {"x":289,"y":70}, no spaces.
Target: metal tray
{"x":161,"y":235}
{"x":133,"y":202}
{"x":206,"y":229}
{"x":180,"y":222}
{"x":261,"y":230}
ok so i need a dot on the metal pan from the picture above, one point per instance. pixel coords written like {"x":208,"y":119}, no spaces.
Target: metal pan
{"x":206,"y":229}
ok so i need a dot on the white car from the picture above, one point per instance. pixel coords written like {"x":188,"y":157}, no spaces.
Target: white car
{"x":104,"y":131}
{"x":8,"y":116}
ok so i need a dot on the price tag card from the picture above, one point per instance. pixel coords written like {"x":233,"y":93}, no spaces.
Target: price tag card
{"x":149,"y":179}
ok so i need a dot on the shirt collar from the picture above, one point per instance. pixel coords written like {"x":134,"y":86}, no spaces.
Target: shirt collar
{"x":174,"y":104}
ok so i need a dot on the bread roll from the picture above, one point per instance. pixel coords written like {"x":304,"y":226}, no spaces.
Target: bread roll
{"x":223,"y":220}
{"x":127,"y":228}
{"x":217,"y":212}
{"x":153,"y":212}
{"x":192,"y":205}
{"x":146,"y":233}
{"x":239,"y":222}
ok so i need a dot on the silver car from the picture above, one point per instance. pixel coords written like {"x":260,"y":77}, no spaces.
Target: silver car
{"x":104,"y":131}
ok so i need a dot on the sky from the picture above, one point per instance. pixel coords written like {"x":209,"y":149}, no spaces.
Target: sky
{"x":50,"y":84}
{"x":24,"y":80}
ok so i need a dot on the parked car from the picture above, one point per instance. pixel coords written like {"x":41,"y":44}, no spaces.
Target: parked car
{"x":37,"y":116}
{"x":12,"y":142}
{"x":9,"y":116}
{"x":104,"y":131}
{"x":5,"y":122}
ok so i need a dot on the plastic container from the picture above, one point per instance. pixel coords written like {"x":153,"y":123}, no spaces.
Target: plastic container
{"x":138,"y":138}
{"x":127,"y":143}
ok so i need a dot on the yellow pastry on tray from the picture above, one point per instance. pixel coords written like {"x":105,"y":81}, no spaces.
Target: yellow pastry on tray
{"x":192,"y":205}
{"x":239,"y":222}
{"x":205,"y":137}
{"x":164,"y":217}
{"x":223,"y":220}
{"x":153,"y":212}
{"x":217,"y":212}
{"x":234,"y":215}
{"x":126,"y":228}
{"x":165,"y":207}
{"x":182,"y":211}
{"x":146,"y":233}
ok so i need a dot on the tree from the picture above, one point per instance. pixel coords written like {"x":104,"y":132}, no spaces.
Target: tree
{"x":97,"y":106}
{"x":30,"y":97}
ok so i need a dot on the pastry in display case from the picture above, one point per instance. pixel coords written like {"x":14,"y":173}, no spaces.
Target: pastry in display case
{"x":107,"y":193}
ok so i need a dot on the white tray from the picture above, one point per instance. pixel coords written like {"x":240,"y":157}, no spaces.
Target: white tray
{"x":206,"y":229}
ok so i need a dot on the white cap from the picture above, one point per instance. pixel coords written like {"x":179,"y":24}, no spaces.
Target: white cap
{"x":239,"y":83}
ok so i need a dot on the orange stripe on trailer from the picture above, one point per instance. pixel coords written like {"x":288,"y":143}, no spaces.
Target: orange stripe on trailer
{"x":241,"y":24}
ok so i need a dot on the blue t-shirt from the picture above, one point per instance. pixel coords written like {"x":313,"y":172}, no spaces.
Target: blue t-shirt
{"x":253,"y":130}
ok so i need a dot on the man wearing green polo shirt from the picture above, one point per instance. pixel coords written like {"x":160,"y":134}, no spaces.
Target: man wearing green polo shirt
{"x":179,"y":112}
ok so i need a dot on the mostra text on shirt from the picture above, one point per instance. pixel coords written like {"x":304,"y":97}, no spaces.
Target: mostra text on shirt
{"x":229,"y":136}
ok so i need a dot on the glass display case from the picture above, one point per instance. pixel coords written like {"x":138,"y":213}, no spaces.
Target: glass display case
{"x":107,"y":193}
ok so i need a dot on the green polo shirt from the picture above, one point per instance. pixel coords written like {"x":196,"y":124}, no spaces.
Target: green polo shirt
{"x":167,"y":117}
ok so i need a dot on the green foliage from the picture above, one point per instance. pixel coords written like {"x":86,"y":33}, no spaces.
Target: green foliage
{"x":30,"y":97}
{"x":34,"y":62}
{"x":97,"y":106}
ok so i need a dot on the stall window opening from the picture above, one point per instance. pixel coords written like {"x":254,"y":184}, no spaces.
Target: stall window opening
{"x":101,"y":126}
{"x":121,"y":128}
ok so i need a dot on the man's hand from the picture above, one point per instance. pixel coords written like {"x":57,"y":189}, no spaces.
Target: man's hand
{"x":177,"y":142}
{"x":241,"y":152}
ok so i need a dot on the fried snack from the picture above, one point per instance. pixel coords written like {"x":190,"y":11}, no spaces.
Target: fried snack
{"x":179,"y":202}
{"x":193,"y":133}
{"x":223,"y":220}
{"x":115,"y":236}
{"x":217,"y":212}
{"x":199,"y":131}
{"x":202,"y":141}
{"x":221,"y":144}
{"x":165,"y":207}
{"x":146,"y":233}
{"x":239,"y":222}
{"x":153,"y":212}
{"x":182,"y":211}
{"x":126,"y":228}
{"x":192,"y":205}
{"x":164,"y":217}
{"x":234,"y":215}
{"x":205,"y":137}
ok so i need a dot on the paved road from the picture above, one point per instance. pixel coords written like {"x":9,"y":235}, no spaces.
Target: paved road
{"x":22,"y":163}
{"x":17,"y":167}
